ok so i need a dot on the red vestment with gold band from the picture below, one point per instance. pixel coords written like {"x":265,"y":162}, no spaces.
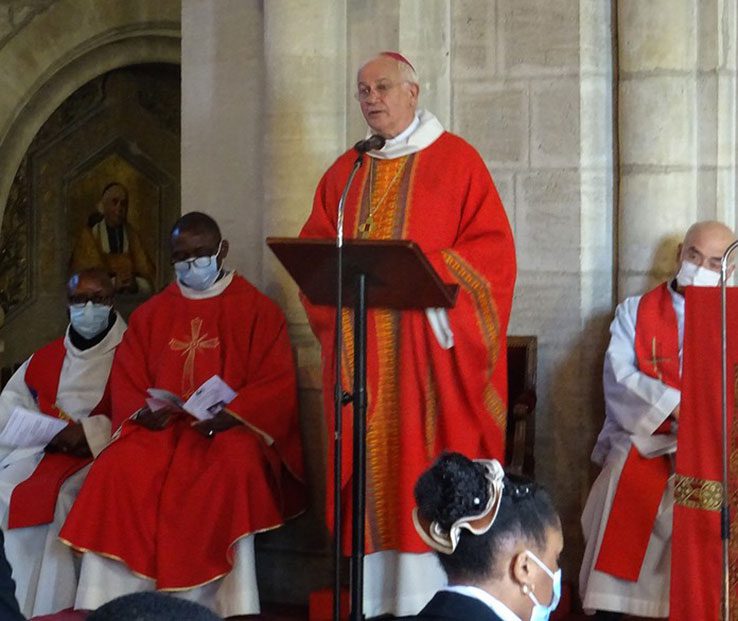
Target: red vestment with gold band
{"x":422,"y":399}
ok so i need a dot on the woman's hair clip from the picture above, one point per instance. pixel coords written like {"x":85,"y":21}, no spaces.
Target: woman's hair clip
{"x":519,"y":488}
{"x":445,"y":541}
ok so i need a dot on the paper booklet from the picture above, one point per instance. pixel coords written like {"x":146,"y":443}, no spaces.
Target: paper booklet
{"x":29,"y":428}
{"x":209,"y":399}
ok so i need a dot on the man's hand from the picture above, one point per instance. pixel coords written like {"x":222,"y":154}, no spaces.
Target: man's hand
{"x":155,"y":421}
{"x":70,"y":440}
{"x":675,"y":413}
{"x":222,"y":421}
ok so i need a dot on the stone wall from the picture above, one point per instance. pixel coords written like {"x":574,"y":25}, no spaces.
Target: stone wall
{"x":528,"y":82}
{"x":532,"y":90}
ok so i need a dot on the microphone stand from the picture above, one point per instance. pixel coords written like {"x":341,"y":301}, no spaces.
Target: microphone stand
{"x":725,"y":508}
{"x":339,"y":397}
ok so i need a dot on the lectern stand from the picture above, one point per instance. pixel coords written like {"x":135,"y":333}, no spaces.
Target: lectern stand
{"x":375,"y":274}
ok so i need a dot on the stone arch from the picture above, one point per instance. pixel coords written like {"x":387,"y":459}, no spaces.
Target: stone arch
{"x":62,"y":46}
{"x":80,"y":46}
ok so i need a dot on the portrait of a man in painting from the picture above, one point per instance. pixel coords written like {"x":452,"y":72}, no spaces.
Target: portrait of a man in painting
{"x":109,"y":241}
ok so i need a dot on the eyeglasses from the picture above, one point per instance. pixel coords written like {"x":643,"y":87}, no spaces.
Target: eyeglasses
{"x":380,"y":90}
{"x":81,"y":300}
{"x":198,"y":261}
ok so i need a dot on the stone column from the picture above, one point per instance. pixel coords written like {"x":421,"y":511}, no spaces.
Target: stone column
{"x":222,"y":109}
{"x":677,"y":129}
{"x":304,"y":120}
{"x":304,"y":129}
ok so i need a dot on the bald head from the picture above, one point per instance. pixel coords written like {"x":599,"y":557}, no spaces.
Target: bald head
{"x":196,"y":234}
{"x":705,"y":243}
{"x":93,"y":281}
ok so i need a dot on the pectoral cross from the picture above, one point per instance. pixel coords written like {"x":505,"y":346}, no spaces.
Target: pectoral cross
{"x":368,"y":225}
{"x":190,"y":349}
{"x":655,"y":359}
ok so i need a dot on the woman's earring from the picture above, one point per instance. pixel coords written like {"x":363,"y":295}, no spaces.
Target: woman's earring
{"x":525,"y":589}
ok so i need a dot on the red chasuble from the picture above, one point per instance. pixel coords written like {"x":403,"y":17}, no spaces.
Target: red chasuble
{"x":422,"y":399}
{"x":696,"y":551}
{"x":33,"y":501}
{"x":170,"y":504}
{"x":643,"y":481}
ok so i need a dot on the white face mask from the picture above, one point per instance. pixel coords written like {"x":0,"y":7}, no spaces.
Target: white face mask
{"x":696,"y":275}
{"x":89,"y":319}
{"x":541,"y":612}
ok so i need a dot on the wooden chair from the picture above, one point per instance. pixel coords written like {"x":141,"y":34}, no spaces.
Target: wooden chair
{"x":522,"y":359}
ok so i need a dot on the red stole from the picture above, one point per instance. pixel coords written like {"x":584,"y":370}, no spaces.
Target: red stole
{"x":33,"y":501}
{"x":643,"y":481}
{"x":696,"y":553}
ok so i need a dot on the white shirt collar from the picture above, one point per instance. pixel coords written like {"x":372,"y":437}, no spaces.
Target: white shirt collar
{"x":218,"y":287}
{"x":110,"y":341}
{"x":421,"y":133}
{"x":492,"y":602}
{"x":403,"y":136}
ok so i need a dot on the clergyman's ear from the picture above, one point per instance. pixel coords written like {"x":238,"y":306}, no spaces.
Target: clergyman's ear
{"x":679,"y":254}
{"x":224,"y":249}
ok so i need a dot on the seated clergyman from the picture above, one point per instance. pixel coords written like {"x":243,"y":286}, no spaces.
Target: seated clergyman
{"x":216,"y":481}
{"x":627,"y":520}
{"x":64,"y":385}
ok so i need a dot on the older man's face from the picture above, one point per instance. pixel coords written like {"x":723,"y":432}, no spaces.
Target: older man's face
{"x":115,"y":205}
{"x":705,"y":246}
{"x":387,"y":103}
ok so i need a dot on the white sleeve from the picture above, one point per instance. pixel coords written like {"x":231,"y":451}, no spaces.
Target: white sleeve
{"x":97,"y":432}
{"x":635,"y":401}
{"x":16,"y":393}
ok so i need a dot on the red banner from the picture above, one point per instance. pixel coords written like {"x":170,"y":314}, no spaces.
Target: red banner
{"x":696,"y":564}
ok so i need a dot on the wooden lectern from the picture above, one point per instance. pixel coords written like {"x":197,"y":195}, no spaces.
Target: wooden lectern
{"x":373,"y":274}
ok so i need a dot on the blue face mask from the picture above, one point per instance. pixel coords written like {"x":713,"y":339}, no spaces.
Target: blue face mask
{"x":541,"y":612}
{"x":89,"y":319}
{"x":198,"y":273}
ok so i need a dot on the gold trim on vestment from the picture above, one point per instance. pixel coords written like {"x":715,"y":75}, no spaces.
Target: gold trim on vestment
{"x":695,"y":493}
{"x":229,"y":556}
{"x":478,"y":287}
{"x":390,"y":194}
{"x":431,"y":414}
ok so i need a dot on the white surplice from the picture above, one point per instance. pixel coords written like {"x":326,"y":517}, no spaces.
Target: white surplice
{"x":44,"y":569}
{"x":635,"y":405}
{"x":236,"y":593}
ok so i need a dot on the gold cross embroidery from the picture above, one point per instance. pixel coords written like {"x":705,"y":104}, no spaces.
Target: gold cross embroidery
{"x":655,"y":359}
{"x":190,"y":349}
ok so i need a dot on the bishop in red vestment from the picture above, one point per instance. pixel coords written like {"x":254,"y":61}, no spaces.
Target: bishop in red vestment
{"x":175,"y":501}
{"x":436,"y":381}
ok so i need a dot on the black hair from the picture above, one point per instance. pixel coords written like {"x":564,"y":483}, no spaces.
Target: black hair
{"x":151,"y":606}
{"x":197,"y":222}
{"x":455,"y":487}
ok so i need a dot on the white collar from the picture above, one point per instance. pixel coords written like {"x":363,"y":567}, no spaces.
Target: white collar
{"x":403,"y":136}
{"x":421,"y":133}
{"x":110,"y":341}
{"x":492,"y":602}
{"x":218,"y":287}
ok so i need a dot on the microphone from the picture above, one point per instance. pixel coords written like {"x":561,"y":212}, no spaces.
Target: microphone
{"x":373,"y":143}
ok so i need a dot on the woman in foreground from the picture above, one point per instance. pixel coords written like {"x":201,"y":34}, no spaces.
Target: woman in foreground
{"x":498,"y":538}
